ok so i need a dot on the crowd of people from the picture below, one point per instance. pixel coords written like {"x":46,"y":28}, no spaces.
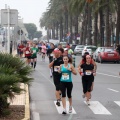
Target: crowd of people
{"x":61,"y":69}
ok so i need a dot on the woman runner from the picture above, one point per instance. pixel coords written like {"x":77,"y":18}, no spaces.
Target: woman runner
{"x":66,"y":82}
{"x":87,"y":72}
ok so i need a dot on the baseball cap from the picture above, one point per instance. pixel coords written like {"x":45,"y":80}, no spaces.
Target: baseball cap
{"x":56,"y":50}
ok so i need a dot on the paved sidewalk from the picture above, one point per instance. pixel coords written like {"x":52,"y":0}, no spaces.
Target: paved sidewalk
{"x":20,"y":98}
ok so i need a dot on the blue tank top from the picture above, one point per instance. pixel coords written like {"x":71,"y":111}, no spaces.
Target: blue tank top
{"x":66,"y":74}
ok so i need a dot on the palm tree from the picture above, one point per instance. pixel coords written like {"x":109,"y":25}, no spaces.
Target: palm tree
{"x":12,"y":72}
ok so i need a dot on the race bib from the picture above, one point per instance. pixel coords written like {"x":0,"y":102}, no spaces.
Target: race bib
{"x":87,"y":72}
{"x":27,"y":52}
{"x":51,"y":55}
{"x":56,"y":68}
{"x":34,"y":51}
{"x":65,"y":76}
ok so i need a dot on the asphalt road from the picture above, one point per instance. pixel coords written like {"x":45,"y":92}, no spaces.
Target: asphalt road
{"x":105,"y":102}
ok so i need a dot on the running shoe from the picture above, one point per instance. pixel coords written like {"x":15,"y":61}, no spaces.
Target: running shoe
{"x":70,"y":109}
{"x":64,"y":112}
{"x":58,"y":103}
{"x":88,"y":102}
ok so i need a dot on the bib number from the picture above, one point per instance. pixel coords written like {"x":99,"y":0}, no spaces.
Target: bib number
{"x":65,"y":76}
{"x":56,"y":68}
{"x":27,"y":52}
{"x":51,"y":55}
{"x":88,"y":73}
{"x":34,"y":51}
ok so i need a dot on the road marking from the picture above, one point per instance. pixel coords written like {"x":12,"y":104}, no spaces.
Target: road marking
{"x":46,"y":78}
{"x":113,"y":90}
{"x":60,"y":108}
{"x":36,"y":116}
{"x":32,"y":106}
{"x":117,"y":102}
{"x":98,"y":108}
{"x":108,"y":75}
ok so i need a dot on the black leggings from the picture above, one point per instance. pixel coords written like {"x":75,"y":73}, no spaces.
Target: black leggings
{"x":87,"y":83}
{"x":66,"y":86}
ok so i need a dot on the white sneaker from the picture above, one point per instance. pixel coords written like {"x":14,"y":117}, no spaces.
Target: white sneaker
{"x":70,"y":109}
{"x":88,"y":102}
{"x":64,"y":111}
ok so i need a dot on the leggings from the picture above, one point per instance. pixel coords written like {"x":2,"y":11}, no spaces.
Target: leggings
{"x":66,"y":86}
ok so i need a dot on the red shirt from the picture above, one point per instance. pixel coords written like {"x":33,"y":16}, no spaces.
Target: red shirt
{"x":20,"y":47}
{"x":27,"y":51}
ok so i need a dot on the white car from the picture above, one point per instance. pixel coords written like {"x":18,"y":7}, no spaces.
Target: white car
{"x":78,"y":49}
{"x":89,"y":48}
{"x":96,"y":53}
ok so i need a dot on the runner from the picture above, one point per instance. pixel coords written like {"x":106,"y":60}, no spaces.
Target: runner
{"x":87,"y":72}
{"x":95,"y":68}
{"x":50,"y":55}
{"x":55,"y":64}
{"x":27,"y":51}
{"x":39,"y":47}
{"x":66,"y":82}
{"x":43,"y":51}
{"x":20,"y":47}
{"x":34,"y":51}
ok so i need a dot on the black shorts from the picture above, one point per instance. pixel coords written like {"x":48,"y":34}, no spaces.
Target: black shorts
{"x":56,"y":80}
{"x":33,"y":57}
{"x":28,"y":57}
{"x":87,"y":83}
{"x":43,"y":53}
{"x":20,"y":52}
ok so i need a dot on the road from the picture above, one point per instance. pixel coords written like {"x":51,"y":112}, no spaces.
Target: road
{"x":105,"y":102}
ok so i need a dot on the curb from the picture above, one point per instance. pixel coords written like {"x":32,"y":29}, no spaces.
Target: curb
{"x":27,"y":106}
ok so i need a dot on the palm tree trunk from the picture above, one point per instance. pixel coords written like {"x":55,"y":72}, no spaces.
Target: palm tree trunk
{"x":71,"y":34}
{"x":76,"y":28}
{"x":89,"y":25}
{"x":81,"y":35}
{"x":102,"y":25}
{"x":61,"y":29}
{"x":95,"y":29}
{"x":118,"y":23}
{"x":108,"y":41}
{"x":57,"y":25}
{"x":85,"y":25}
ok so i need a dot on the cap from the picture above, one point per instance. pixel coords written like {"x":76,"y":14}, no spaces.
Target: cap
{"x":56,"y":50}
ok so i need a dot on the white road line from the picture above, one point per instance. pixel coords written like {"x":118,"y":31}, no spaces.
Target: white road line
{"x":32,"y":106}
{"x":98,"y":108}
{"x":108,"y":75}
{"x":60,"y":108}
{"x":117,"y":102}
{"x":46,"y":78}
{"x":36,"y":116}
{"x":113,"y":90}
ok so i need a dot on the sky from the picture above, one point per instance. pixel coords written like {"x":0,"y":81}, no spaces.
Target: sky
{"x":29,"y":10}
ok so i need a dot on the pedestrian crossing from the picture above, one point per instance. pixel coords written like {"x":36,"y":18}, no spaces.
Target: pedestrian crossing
{"x":95,"y":106}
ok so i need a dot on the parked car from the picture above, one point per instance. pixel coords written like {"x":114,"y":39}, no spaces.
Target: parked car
{"x":63,"y":44}
{"x":89,"y":48}
{"x":96,"y":53}
{"x":109,"y":54}
{"x":78,"y":49}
